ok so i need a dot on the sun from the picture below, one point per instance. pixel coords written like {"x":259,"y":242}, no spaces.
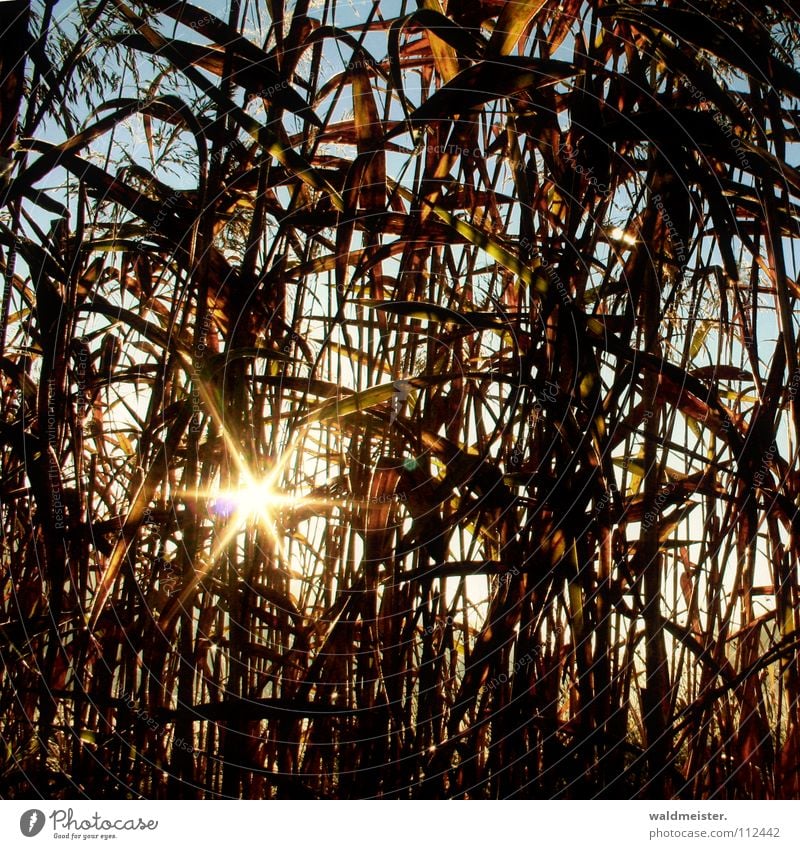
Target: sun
{"x":255,"y":499}
{"x":256,"y":502}
{"x":251,"y":498}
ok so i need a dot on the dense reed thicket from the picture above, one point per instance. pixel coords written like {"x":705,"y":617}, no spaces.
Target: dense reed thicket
{"x":399,"y":400}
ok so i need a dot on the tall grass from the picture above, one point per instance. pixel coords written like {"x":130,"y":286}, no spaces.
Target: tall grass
{"x":399,"y":402}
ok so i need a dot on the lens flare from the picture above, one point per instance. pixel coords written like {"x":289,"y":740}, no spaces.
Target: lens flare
{"x":255,"y":500}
